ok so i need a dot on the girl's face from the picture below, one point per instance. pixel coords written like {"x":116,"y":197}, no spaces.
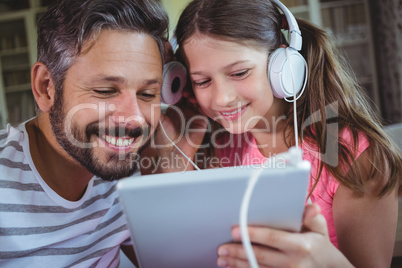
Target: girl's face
{"x":229,"y":81}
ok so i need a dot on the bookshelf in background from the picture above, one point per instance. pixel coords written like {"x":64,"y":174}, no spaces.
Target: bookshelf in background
{"x":17,"y":55}
{"x":349,"y":22}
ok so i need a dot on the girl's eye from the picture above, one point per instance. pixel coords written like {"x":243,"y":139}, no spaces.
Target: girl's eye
{"x":203,"y":83}
{"x":241,"y":74}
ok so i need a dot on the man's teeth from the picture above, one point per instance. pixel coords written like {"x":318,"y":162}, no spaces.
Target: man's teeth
{"x":118,"y":141}
{"x":235,"y":112}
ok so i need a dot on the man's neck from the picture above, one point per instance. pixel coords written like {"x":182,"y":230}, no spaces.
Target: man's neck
{"x":60,"y":171}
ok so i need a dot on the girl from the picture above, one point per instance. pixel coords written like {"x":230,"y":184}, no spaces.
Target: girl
{"x":226,"y":46}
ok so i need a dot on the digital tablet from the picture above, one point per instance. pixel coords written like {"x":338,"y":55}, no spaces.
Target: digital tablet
{"x":180,"y":219}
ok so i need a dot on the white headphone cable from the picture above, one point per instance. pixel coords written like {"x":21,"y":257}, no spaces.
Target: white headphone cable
{"x":294,"y":155}
{"x":167,"y":137}
{"x":294,"y":99}
{"x":245,"y":238}
{"x":304,"y":85}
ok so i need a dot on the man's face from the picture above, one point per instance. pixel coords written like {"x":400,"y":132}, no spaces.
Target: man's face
{"x":110,"y":103}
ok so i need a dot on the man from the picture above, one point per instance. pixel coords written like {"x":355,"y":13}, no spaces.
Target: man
{"x":97,"y":84}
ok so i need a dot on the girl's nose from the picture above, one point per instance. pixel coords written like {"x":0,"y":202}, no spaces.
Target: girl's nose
{"x":223,"y":95}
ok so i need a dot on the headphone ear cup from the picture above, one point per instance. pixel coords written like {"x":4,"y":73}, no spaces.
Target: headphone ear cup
{"x":280,"y":76}
{"x":174,"y":81}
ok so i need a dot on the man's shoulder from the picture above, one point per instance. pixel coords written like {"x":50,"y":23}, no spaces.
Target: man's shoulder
{"x":12,"y":156}
{"x":11,"y":134}
{"x":11,"y":142}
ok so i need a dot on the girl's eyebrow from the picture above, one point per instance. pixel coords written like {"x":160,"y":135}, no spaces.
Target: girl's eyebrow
{"x":225,"y":68}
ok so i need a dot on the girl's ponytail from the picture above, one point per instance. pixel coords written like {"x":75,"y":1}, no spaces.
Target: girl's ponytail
{"x":332,"y":89}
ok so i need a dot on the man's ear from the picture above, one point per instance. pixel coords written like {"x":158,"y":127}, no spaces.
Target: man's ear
{"x":42,"y":86}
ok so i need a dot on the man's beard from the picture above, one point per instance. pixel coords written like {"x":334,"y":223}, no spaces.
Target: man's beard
{"x":117,"y":165}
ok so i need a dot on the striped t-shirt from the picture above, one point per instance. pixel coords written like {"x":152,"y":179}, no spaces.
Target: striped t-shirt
{"x":38,"y":228}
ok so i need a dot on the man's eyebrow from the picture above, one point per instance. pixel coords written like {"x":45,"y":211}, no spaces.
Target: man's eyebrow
{"x":150,"y":82}
{"x":105,"y":78}
{"x":226,"y":67}
{"x":121,"y":80}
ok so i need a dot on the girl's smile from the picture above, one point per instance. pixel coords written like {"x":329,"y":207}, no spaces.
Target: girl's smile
{"x":234,"y":114}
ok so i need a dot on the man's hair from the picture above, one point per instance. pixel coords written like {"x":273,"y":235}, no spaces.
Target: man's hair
{"x":69,"y":24}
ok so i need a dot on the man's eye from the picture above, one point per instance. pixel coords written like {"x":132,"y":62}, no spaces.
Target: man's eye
{"x":147,"y":96}
{"x":105,"y":92}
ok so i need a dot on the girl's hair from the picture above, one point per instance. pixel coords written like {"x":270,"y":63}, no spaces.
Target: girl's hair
{"x":331,"y":87}
{"x":68,"y":24}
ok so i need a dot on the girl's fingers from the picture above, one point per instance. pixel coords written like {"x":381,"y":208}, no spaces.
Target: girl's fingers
{"x":278,"y":239}
{"x":314,"y":221}
{"x":235,"y":256}
{"x":232,"y":262}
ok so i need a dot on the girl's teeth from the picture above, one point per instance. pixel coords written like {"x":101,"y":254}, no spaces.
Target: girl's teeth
{"x":118,"y":141}
{"x":235,"y":112}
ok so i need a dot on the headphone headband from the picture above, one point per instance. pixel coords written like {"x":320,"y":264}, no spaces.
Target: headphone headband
{"x":295,"y":34}
{"x":287,"y":69}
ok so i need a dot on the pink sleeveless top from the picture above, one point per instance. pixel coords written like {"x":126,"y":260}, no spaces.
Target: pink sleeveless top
{"x":242,"y":150}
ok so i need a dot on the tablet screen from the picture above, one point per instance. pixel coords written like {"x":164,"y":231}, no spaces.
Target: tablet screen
{"x":180,"y":219}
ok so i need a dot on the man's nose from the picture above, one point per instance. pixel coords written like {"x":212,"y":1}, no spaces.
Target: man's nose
{"x":127,"y":110}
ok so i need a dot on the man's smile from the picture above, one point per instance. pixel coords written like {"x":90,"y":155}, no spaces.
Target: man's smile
{"x":118,"y":141}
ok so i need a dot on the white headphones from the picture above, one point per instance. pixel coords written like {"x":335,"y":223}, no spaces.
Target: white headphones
{"x":287,"y":69}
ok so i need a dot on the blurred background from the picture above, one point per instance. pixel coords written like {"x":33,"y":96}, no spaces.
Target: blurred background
{"x":368,"y":31}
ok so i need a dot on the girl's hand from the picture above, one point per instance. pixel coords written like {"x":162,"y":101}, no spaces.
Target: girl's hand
{"x":275,"y":248}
